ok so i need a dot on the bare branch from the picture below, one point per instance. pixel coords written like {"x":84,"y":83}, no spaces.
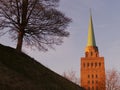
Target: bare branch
{"x":36,"y":22}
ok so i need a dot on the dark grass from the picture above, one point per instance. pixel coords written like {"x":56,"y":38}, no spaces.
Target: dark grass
{"x":18,"y":71}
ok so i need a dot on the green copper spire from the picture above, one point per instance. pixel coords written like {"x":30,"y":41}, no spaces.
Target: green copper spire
{"x":91,"y":36}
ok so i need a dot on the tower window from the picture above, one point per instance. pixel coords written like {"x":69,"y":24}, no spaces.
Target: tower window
{"x":91,"y":64}
{"x":99,"y":64}
{"x":87,"y":64}
{"x":92,"y":76}
{"x":84,"y":64}
{"x":92,"y":82}
{"x":91,"y":53}
{"x":88,"y":82}
{"x":92,"y":88}
{"x":96,"y":76}
{"x":88,"y":76}
{"x":88,"y":88}
{"x":86,"y":54}
{"x":96,"y":87}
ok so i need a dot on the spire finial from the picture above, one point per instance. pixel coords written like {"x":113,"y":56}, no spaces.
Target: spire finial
{"x":91,"y":36}
{"x":90,"y":12}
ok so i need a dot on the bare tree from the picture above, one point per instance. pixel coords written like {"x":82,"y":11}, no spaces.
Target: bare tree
{"x":112,"y":80}
{"x":36,"y":22}
{"x":71,"y":75}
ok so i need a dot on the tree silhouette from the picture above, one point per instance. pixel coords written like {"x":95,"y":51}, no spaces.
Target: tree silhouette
{"x":35,"y":22}
{"x":71,"y":75}
{"x":113,"y":80}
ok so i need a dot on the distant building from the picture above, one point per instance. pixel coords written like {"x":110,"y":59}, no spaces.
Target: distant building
{"x":92,"y":65}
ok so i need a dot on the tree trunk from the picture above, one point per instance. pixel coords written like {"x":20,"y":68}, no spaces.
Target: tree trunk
{"x":20,"y":41}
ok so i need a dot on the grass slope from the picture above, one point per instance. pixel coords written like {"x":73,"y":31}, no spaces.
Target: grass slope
{"x":18,"y":71}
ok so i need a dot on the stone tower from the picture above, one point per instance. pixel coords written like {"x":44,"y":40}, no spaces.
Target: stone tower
{"x":92,"y":65}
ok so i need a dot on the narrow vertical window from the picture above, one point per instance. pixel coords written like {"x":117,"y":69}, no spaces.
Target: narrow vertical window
{"x":87,"y":64}
{"x":88,"y":82}
{"x":96,"y":87}
{"x":91,"y":54}
{"x":88,"y":76}
{"x":86,"y":54}
{"x":91,"y":64}
{"x":96,"y":76}
{"x":83,"y":64}
{"x":92,"y":76}
{"x":99,"y":64}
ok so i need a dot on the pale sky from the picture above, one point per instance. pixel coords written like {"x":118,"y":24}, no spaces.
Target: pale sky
{"x":106,"y":21}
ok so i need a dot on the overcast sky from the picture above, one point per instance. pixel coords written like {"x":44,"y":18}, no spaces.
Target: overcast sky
{"x":106,"y":21}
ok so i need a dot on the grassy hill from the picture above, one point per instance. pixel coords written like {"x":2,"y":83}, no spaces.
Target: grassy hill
{"x":18,"y":71}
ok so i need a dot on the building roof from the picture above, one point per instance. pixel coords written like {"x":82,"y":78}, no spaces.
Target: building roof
{"x":91,"y":36}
